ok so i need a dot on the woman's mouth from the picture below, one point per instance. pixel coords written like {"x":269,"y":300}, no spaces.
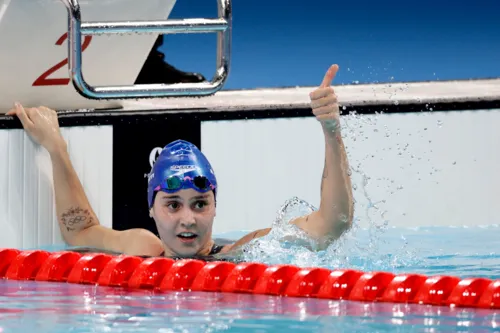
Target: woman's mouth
{"x":187,"y":237}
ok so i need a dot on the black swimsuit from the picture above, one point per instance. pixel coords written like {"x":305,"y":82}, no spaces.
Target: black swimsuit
{"x":215,"y":249}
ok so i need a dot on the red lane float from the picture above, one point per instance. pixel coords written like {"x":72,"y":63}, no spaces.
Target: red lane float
{"x":7,"y":256}
{"x":149,"y":273}
{"x":339,"y":284}
{"x":118,"y":271}
{"x":211,"y":276}
{"x":436,"y":290}
{"x":371,"y":286}
{"x":403,"y":288}
{"x":181,"y":275}
{"x":306,"y":282}
{"x":26,"y":264}
{"x":243,"y":277}
{"x":88,"y":268}
{"x":58,"y":266}
{"x":165,"y":274}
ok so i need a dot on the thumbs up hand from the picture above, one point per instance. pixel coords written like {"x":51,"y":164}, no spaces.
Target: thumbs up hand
{"x":324,"y":103}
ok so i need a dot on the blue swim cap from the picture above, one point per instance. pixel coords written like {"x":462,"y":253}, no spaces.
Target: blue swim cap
{"x":180,"y":165}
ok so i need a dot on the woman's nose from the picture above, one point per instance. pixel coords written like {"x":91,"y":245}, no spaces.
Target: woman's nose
{"x":187,"y":218}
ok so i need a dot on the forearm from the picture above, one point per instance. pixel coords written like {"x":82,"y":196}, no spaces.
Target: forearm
{"x":336,"y":206}
{"x":74,"y":212}
{"x":78,"y":222}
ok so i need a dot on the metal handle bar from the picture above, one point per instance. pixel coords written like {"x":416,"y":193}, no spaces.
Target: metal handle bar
{"x":77,"y":28}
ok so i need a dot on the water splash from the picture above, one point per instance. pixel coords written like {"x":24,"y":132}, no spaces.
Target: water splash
{"x":288,"y":244}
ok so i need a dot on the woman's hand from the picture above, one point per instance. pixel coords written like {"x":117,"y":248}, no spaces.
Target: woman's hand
{"x":324,"y":103}
{"x":41,"y":124}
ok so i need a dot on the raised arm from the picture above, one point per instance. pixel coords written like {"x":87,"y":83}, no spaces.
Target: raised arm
{"x":78,"y":222}
{"x":335,"y":212}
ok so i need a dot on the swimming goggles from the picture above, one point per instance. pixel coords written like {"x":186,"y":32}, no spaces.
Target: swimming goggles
{"x":176,"y":183}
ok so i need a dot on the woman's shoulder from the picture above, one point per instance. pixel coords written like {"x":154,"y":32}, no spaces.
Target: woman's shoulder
{"x":245,"y":239}
{"x":141,"y":242}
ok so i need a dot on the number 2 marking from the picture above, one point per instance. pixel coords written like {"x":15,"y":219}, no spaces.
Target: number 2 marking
{"x":44,"y":80}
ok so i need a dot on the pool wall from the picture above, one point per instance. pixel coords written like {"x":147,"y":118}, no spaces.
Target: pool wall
{"x":426,"y":150}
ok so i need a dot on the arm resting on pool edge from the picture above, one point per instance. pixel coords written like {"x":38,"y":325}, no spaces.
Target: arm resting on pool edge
{"x":79,"y":224}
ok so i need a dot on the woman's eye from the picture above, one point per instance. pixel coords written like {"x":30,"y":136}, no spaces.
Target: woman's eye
{"x":200,"y":204}
{"x":173,"y":205}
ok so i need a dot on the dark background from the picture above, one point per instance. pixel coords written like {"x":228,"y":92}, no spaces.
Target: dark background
{"x":133,"y":140}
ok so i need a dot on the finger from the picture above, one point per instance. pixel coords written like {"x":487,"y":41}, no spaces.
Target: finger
{"x":329,"y":99}
{"x":321,"y":92}
{"x":11,"y":112}
{"x":23,"y":116}
{"x":329,"y":76}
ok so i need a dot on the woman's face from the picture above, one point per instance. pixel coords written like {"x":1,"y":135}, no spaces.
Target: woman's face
{"x":184,"y":220}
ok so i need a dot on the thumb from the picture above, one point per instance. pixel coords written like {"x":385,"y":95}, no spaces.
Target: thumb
{"x":329,"y":76}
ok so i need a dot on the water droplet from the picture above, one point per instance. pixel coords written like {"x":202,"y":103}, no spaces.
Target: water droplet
{"x":440,"y":123}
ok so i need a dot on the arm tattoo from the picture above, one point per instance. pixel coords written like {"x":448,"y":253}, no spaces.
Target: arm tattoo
{"x":76,"y":218}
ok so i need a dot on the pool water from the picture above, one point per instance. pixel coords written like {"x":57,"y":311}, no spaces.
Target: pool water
{"x":55,"y":307}
{"x":458,"y":251}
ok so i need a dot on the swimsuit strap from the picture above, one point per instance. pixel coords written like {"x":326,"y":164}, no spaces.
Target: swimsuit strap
{"x":216,"y":249}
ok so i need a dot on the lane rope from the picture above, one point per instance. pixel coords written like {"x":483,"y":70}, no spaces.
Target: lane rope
{"x":165,"y":274}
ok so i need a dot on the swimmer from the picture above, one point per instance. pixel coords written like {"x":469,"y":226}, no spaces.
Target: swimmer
{"x":182,"y":191}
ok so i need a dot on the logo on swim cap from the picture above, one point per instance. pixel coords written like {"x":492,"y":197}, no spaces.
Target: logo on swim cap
{"x":185,"y":168}
{"x":153,"y":156}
